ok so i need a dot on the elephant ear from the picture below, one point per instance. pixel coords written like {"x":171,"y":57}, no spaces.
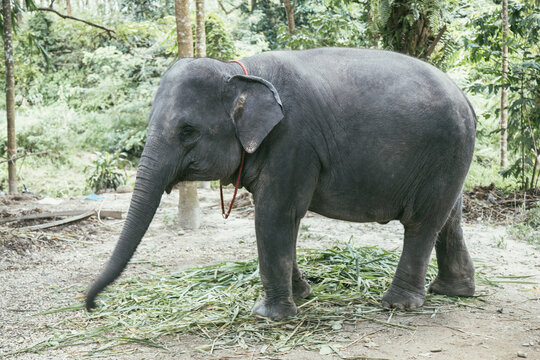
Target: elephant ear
{"x":255,"y":110}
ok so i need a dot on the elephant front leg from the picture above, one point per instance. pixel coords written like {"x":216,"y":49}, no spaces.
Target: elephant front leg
{"x":275,"y":245}
{"x":300,"y":287}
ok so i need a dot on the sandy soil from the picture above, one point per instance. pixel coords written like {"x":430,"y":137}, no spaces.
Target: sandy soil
{"x":505,"y":326}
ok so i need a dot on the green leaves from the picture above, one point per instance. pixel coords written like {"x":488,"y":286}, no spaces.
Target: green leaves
{"x":326,"y":24}
{"x":219,"y":44}
{"x":107,"y":171}
{"x":485,"y":52}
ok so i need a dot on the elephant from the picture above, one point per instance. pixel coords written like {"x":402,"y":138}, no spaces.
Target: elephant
{"x":360,"y":135}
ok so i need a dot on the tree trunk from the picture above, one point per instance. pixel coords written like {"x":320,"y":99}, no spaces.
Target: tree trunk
{"x":183,"y":28}
{"x":200,"y":48}
{"x":68,"y":7}
{"x":289,"y":10}
{"x":10,"y":96}
{"x":504,"y":94}
{"x":189,"y":211}
{"x":200,"y":41}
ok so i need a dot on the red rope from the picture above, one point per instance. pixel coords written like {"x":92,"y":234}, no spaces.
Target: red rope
{"x":226,"y":215}
{"x":242,"y":65}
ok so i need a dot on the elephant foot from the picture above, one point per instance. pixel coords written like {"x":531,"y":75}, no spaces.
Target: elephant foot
{"x":275,"y":310}
{"x":399,"y":298}
{"x":301,"y":288}
{"x":461,"y":287}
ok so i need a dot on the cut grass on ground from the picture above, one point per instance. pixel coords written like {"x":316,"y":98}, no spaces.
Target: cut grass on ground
{"x":214,"y":302}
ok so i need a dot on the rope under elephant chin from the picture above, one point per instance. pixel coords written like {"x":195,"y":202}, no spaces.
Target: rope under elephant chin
{"x":226,"y":215}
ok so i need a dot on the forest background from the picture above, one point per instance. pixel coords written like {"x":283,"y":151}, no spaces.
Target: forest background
{"x":83,"y":93}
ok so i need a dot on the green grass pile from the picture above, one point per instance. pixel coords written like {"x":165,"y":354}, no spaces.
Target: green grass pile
{"x":215,"y":302}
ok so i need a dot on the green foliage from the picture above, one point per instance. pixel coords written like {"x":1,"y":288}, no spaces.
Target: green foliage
{"x":76,"y":88}
{"x":219,"y":45}
{"x":325,"y":24}
{"x":16,"y":10}
{"x":266,"y":19}
{"x":413,"y":27}
{"x":318,"y":23}
{"x":147,"y":9}
{"x":122,"y":129}
{"x":108,"y":84}
{"x":41,"y":130}
{"x":106,"y":172}
{"x":408,"y":26}
{"x":485,"y":51}
{"x":89,"y":70}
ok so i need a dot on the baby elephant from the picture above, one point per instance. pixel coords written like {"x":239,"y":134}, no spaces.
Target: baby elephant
{"x":357,"y":135}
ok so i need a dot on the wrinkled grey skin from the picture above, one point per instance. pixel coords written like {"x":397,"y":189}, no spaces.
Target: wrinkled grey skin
{"x":357,"y":135}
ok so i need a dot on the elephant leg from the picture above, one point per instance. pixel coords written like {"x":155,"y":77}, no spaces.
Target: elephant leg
{"x":300,"y":287}
{"x":275,"y":245}
{"x":407,"y":288}
{"x":456,"y":270}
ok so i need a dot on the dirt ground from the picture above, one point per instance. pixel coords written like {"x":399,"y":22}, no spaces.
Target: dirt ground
{"x":35,"y":277}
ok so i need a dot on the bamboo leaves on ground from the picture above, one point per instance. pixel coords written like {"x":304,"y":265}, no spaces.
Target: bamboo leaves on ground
{"x":214,"y":302}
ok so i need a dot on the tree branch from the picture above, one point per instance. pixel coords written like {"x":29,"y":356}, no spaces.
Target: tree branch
{"x":25,"y":155}
{"x":227,"y":12}
{"x":110,"y":32}
{"x":434,"y":43}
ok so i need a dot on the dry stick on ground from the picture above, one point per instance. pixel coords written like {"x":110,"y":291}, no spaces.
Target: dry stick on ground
{"x":25,"y":155}
{"x":102,"y":213}
{"x":60,"y":222}
{"x":110,"y":32}
{"x":63,"y":221}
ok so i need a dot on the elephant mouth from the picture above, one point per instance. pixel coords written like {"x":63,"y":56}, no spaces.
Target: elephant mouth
{"x":169,"y":188}
{"x":177,"y":177}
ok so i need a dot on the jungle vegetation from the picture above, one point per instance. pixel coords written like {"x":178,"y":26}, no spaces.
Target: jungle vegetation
{"x":86,"y":89}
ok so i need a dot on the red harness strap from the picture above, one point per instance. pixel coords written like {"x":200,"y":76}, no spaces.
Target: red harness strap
{"x":226,"y":215}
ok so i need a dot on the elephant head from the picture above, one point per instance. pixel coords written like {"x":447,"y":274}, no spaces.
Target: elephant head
{"x":202,"y":116}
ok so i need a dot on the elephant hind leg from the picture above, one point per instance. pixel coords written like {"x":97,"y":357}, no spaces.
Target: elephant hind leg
{"x":407,"y":288}
{"x":456,"y":271}
{"x":300,"y":287}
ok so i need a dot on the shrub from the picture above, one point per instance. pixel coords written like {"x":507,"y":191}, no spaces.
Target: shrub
{"x":107,"y":171}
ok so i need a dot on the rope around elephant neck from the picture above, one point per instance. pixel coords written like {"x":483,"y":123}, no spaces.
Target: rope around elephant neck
{"x":226,"y":215}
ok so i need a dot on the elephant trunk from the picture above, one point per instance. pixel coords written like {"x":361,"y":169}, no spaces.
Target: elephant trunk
{"x":152,"y":177}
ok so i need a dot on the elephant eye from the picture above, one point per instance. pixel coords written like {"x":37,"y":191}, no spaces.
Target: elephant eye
{"x":188,"y":133}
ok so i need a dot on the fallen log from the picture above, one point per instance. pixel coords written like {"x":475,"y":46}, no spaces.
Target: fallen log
{"x":47,"y":215}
